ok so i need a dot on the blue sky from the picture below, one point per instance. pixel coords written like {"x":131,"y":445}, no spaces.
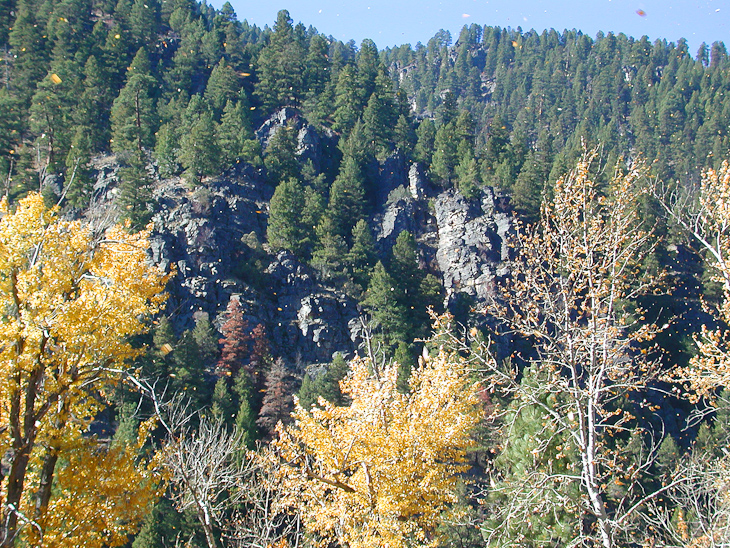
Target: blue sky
{"x":395,"y":22}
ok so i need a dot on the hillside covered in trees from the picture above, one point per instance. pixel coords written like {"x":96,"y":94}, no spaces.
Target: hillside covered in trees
{"x":492,"y":270}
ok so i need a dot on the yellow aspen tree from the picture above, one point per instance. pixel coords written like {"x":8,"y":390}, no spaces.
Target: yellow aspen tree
{"x":102,"y":495}
{"x":572,"y":273}
{"x":70,"y":300}
{"x":377,"y":473}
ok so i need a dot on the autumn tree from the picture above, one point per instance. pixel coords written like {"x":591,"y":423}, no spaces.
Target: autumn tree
{"x":708,"y":222}
{"x":72,"y":300}
{"x":379,"y":471}
{"x":698,"y":486}
{"x":574,"y":274}
{"x":235,"y":341}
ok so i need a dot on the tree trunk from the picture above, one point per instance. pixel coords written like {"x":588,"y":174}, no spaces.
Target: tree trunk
{"x":43,"y":496}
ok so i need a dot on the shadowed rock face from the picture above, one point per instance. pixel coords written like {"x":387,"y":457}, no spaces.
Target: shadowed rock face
{"x":215,"y":238}
{"x":218,"y":250}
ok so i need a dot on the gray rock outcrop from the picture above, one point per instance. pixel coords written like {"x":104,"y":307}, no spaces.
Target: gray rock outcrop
{"x":462,"y":241}
{"x":471,"y":242}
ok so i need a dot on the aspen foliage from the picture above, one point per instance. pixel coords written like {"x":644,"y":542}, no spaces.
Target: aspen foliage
{"x":70,"y":300}
{"x":103,"y":494}
{"x":710,"y":225}
{"x":378,"y":472}
{"x":701,"y":482}
{"x":573,"y":273}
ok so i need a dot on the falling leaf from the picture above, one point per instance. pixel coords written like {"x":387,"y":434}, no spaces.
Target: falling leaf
{"x":55,"y":78}
{"x":641,"y":13}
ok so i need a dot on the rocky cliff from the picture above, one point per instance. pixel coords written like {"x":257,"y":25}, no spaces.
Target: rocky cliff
{"x":215,"y":238}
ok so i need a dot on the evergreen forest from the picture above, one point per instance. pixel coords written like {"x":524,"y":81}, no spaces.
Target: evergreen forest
{"x":260,"y":287}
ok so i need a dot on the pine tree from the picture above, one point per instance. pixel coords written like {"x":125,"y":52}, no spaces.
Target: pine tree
{"x":78,"y":174}
{"x":362,"y":257}
{"x":425,"y":137}
{"x":325,"y":385}
{"x":467,"y":174}
{"x":367,"y":63}
{"x":497,"y":142}
{"x":447,"y":111}
{"x":314,"y":209}
{"x":404,"y":136}
{"x":132,"y":113}
{"x":445,"y":157}
{"x":10,"y":125}
{"x":164,"y":526}
{"x":286,"y":229}
{"x":235,"y":136}
{"x":167,"y":150}
{"x":359,"y":147}
{"x":347,"y":100}
{"x":223,"y":407}
{"x":6,"y":19}
{"x":380,"y":117}
{"x":199,"y":152}
{"x":403,"y":356}
{"x":51,"y":120}
{"x":260,"y":359}
{"x":206,"y":338}
{"x":188,"y":64}
{"x":144,"y":22}
{"x":316,"y":75}
{"x":28,"y":45}
{"x":383,"y":301}
{"x":528,"y":188}
{"x":280,"y":156}
{"x":551,"y":511}
{"x":281,"y":66}
{"x":188,"y":371}
{"x":331,"y":250}
{"x":135,"y":192}
{"x":94,"y":106}
{"x":245,"y":416}
{"x":347,"y":198}
{"x":416,"y":291}
{"x":223,"y":86}
{"x":404,"y":265}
